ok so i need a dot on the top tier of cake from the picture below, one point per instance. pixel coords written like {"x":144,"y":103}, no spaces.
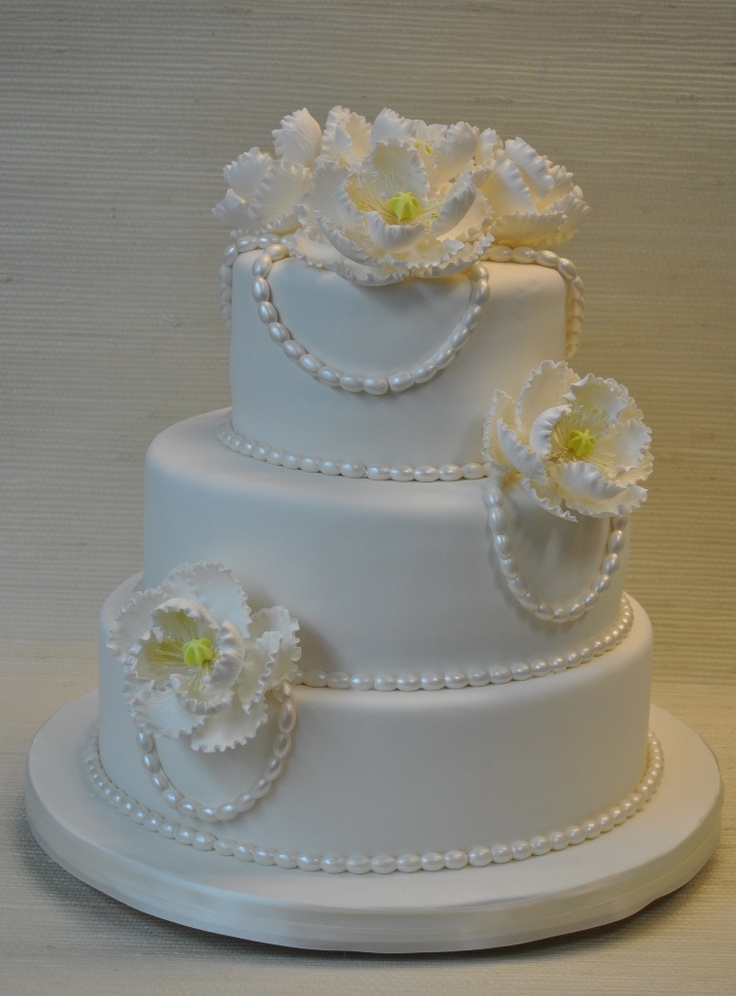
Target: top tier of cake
{"x":366,"y":380}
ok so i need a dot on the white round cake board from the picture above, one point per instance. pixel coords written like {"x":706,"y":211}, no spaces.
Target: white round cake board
{"x":584,"y":886}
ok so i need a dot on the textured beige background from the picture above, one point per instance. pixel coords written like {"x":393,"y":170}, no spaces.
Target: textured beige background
{"x":115,"y":121}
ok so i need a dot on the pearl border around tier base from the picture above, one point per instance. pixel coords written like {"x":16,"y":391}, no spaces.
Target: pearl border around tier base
{"x":603,"y":881}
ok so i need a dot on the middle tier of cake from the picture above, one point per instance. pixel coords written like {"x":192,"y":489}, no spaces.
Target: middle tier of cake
{"x":393,"y":584}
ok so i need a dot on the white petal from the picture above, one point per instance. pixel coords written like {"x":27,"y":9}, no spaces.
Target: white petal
{"x":548,"y":498}
{"x":520,"y":457}
{"x":534,"y":167}
{"x":213,"y":587}
{"x":277,"y":621}
{"x":628,"y":443}
{"x":273,"y":205}
{"x":505,"y":189}
{"x":229,"y":728}
{"x":347,"y":136}
{"x":134,"y":622}
{"x":535,"y":231}
{"x":316,"y":251}
{"x":453,"y":217}
{"x":540,"y":435}
{"x":392,"y":238}
{"x":326,"y":196}
{"x":161,"y":711}
{"x":488,"y":147}
{"x":230,"y":660}
{"x":544,"y":388}
{"x":391,"y":127}
{"x":595,"y":392}
{"x":394,"y":168}
{"x":299,"y":138}
{"x":356,"y":246}
{"x":585,"y":490}
{"x":245,"y":174}
{"x":447,"y":151}
{"x":233,"y":210}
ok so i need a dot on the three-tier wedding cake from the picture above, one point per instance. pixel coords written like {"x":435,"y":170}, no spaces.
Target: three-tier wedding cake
{"x":381,"y":626}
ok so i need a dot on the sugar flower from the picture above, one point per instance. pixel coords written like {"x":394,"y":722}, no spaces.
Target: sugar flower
{"x":263,"y":191}
{"x":535,"y":203}
{"x":577,"y":445}
{"x":381,"y":201}
{"x":392,"y":199}
{"x":198,"y":662}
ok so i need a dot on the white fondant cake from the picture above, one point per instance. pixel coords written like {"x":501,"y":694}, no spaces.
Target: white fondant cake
{"x":410,"y":468}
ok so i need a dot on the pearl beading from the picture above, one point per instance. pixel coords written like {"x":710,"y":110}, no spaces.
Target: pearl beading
{"x":278,"y":457}
{"x":519,"y":588}
{"x":245,"y":801}
{"x":478,"y":857}
{"x":273,"y":250}
{"x":500,"y":674}
{"x":353,"y":382}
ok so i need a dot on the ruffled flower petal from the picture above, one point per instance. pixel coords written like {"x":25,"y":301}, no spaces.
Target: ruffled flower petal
{"x":462,"y":214}
{"x":352,"y":197}
{"x":544,"y":388}
{"x":272,"y":207}
{"x":230,"y":727}
{"x":299,"y":139}
{"x":214,"y":587}
{"x":392,"y":238}
{"x":346,"y":138}
{"x":579,"y":445}
{"x":452,"y":150}
{"x":162,"y":711}
{"x":534,"y":168}
{"x":596,"y":393}
{"x":391,"y":127}
{"x":390,"y":169}
{"x":543,"y":428}
{"x":518,"y":456}
{"x":628,"y":444}
{"x":247,"y":172}
{"x":585,"y":490}
{"x":197,"y":660}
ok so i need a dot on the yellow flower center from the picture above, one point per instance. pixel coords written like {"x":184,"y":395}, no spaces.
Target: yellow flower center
{"x":581,"y":442}
{"x":198,"y":652}
{"x":404,"y":206}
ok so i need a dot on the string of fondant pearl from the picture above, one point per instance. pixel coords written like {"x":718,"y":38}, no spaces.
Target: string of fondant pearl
{"x":519,"y":587}
{"x":245,"y":801}
{"x":478,"y":857}
{"x":352,"y":381}
{"x":278,"y":457}
{"x":273,"y":250}
{"x":501,"y":674}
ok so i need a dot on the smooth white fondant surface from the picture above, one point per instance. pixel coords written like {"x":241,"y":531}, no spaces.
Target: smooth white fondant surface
{"x":382,"y":330}
{"x":384,"y":577}
{"x":581,"y":887}
{"x":392,"y":773}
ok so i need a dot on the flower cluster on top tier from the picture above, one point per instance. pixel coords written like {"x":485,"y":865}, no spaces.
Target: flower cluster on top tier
{"x":379,"y":202}
{"x":198,"y":662}
{"x":577,"y":445}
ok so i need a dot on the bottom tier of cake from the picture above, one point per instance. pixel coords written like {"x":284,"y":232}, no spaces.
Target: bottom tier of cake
{"x":378,"y":780}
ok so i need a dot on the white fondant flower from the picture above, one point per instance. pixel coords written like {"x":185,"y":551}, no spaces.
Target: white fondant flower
{"x":393,"y":200}
{"x":379,"y":202}
{"x":197,"y":662}
{"x":578,"y":445}
{"x":535,"y":203}
{"x":263,"y":191}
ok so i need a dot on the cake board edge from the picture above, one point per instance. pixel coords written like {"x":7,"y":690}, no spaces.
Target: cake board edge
{"x":646,"y":858}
